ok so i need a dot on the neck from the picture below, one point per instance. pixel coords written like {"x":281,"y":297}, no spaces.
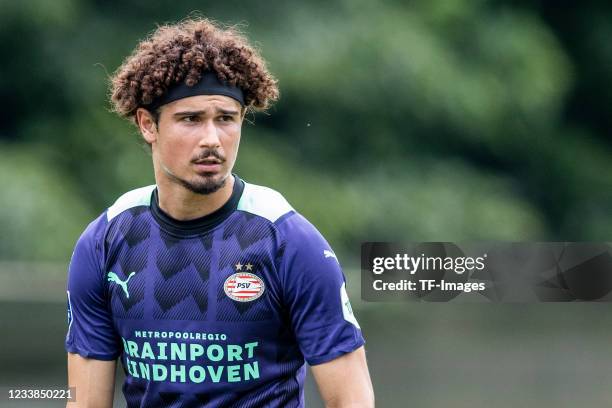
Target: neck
{"x":183,"y":204}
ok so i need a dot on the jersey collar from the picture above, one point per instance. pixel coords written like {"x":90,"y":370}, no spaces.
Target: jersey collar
{"x":199,"y":225}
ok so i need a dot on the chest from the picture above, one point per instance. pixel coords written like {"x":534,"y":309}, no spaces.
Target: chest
{"x":219,"y":277}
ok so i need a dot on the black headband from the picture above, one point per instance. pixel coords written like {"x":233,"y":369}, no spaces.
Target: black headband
{"x":209,"y":84}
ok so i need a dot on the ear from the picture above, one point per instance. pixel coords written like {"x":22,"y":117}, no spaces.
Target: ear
{"x":146,"y":124}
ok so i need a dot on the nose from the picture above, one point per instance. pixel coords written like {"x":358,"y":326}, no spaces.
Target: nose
{"x":209,"y":135}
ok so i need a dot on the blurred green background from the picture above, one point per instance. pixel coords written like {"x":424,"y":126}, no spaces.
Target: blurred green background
{"x":418,"y":120}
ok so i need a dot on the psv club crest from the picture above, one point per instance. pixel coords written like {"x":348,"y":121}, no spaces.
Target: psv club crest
{"x":244,"y":286}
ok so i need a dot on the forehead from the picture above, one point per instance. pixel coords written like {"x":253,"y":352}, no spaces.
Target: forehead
{"x":203,"y":103}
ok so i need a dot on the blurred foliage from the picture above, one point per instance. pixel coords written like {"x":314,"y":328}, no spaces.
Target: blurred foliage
{"x":422,"y":120}
{"x":45,"y":209}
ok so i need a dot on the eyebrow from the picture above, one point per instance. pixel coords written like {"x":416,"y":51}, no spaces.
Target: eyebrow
{"x":200,"y":112}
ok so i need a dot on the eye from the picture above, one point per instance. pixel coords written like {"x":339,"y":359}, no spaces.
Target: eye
{"x":190,"y":118}
{"x":226,"y":118}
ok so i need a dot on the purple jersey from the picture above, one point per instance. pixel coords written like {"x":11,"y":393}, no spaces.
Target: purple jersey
{"x":221,"y":311}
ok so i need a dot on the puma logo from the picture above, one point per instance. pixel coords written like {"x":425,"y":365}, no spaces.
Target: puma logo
{"x":112,"y":277}
{"x":329,"y":254}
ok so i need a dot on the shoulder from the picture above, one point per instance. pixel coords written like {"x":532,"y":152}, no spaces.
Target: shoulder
{"x":271,"y":205}
{"x":134,"y":198}
{"x":264,"y":202}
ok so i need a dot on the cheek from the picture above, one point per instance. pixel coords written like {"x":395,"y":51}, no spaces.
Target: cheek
{"x":230,"y":140}
{"x":233,"y":145}
{"x":174,"y":148}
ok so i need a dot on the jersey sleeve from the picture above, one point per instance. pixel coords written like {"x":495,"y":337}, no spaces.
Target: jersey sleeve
{"x":90,"y":326}
{"x":314,"y":290}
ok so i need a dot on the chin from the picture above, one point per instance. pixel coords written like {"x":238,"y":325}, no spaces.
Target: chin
{"x":212,"y":177}
{"x":207,"y":184}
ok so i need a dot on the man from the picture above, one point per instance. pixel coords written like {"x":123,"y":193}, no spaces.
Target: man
{"x":212,"y":290}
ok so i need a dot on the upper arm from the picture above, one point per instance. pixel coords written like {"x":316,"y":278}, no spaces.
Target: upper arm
{"x":322,"y":319}
{"x":91,"y":330}
{"x":92,"y":342}
{"x":314,"y":293}
{"x":345,"y":381}
{"x":93,"y":381}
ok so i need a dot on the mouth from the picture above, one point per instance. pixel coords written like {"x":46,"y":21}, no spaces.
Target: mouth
{"x":208,"y":165}
{"x":211,"y":160}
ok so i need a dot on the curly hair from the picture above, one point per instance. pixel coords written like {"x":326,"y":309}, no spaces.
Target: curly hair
{"x":182,"y":52}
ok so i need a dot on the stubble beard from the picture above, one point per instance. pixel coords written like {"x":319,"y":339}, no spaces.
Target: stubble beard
{"x":208,"y":184}
{"x":204,"y":183}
